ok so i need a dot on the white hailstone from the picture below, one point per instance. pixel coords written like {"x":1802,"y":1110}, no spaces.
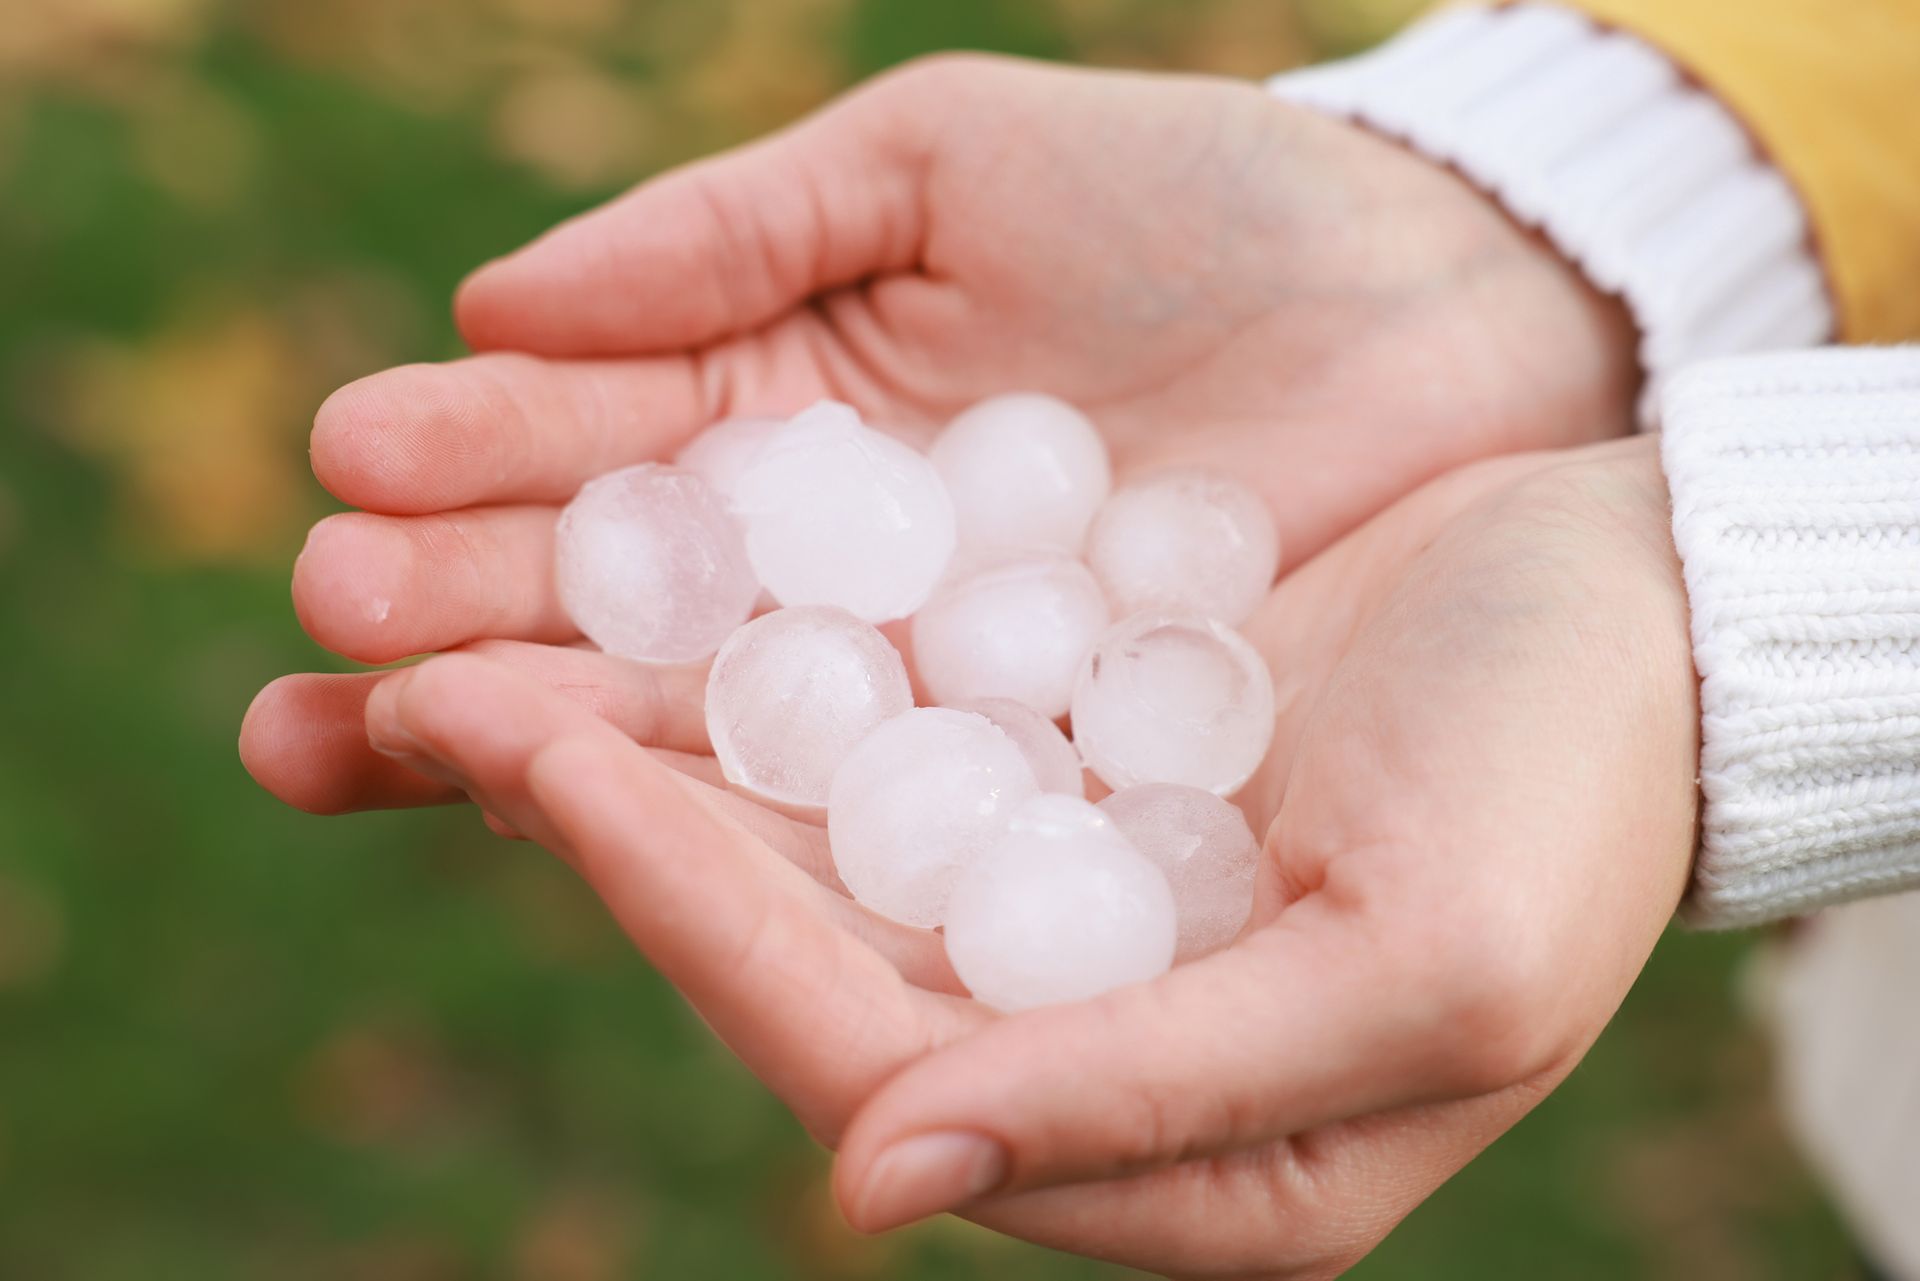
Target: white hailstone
{"x":1025,"y":470}
{"x":1170,"y":699}
{"x":791,"y":693}
{"x":649,"y":565}
{"x":1019,"y":631}
{"x":837,"y":513}
{"x":916,"y":802}
{"x":1185,"y":541}
{"x":1055,"y":765}
{"x":1061,"y":909}
{"x":721,"y":454}
{"x":1205,"y":849}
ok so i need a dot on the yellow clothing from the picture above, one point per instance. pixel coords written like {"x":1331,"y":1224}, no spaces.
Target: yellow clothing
{"x":1831,"y":90}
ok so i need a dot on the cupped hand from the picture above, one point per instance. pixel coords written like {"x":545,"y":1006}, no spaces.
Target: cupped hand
{"x":1478,"y":815}
{"x":1216,"y":276}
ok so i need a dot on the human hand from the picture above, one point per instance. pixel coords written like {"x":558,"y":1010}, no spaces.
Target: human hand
{"x":1220,"y":278}
{"x":1481,"y":801}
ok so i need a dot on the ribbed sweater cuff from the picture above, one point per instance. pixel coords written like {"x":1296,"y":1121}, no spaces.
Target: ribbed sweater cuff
{"x":1796,"y":512}
{"x":1595,"y":139}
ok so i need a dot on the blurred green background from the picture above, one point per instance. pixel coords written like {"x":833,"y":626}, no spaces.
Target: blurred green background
{"x":237,"y":1041}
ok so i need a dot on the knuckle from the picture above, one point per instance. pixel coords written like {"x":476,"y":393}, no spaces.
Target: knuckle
{"x":931,"y":84}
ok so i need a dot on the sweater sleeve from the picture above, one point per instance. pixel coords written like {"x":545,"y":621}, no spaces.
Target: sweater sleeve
{"x":1597,"y":139}
{"x":1796,"y":512}
{"x":1831,"y":91}
{"x":1827,"y":92}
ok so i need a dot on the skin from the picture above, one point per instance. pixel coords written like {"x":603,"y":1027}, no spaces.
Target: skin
{"x":1479,"y":807}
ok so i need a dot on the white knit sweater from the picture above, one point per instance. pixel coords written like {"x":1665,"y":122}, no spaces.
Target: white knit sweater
{"x":1795,"y":475}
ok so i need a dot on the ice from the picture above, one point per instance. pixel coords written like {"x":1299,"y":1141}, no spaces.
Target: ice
{"x":1019,"y":631}
{"x":1055,"y":765}
{"x":1062,"y":908}
{"x":916,"y":802}
{"x":1185,"y":541}
{"x":1025,"y":471}
{"x":837,"y":513}
{"x":650,"y":565}
{"x":1205,"y":849}
{"x":721,"y":454}
{"x":791,"y":693}
{"x":1168,"y":698}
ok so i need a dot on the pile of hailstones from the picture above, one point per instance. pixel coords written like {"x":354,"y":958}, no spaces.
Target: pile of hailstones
{"x":1030,"y":592}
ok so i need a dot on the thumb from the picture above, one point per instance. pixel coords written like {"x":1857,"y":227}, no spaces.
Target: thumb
{"x":727,"y":244}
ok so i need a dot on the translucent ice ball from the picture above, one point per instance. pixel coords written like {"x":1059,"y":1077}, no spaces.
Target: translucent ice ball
{"x":1055,"y":765}
{"x":1173,"y":699}
{"x":1185,"y":541}
{"x":916,"y":802}
{"x":791,"y":693}
{"x":1061,"y":909}
{"x":1205,"y":849}
{"x":1019,"y":630}
{"x":1025,"y":471}
{"x":721,"y":454}
{"x":650,"y":565}
{"x":839,"y":514}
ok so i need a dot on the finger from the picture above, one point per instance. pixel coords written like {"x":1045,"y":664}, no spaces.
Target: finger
{"x":501,"y":828}
{"x":380,"y":588}
{"x":304,"y":738}
{"x":785,"y":970}
{"x":1299,"y":1024}
{"x":500,"y":428}
{"x":728,"y":244}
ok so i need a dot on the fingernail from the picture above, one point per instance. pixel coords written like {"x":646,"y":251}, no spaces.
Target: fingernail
{"x":927,"y":1174}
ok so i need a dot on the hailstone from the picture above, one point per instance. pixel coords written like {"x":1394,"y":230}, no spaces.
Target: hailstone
{"x":1170,"y":699}
{"x":1063,"y":908}
{"x":650,"y":565}
{"x":791,"y":694}
{"x":1185,"y":541}
{"x":1019,"y":630}
{"x":837,"y":513}
{"x":1206,"y":850}
{"x":917,"y":801}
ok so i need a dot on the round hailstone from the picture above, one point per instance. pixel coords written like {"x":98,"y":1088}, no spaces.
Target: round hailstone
{"x":916,"y":802}
{"x":721,"y":454}
{"x":791,"y":693}
{"x":1061,"y":909}
{"x":1170,"y":699}
{"x":1017,"y":631}
{"x":839,"y":514}
{"x":1055,"y":765}
{"x":1185,"y":541}
{"x":1205,"y":849}
{"x":649,"y":565}
{"x":1025,"y":470}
